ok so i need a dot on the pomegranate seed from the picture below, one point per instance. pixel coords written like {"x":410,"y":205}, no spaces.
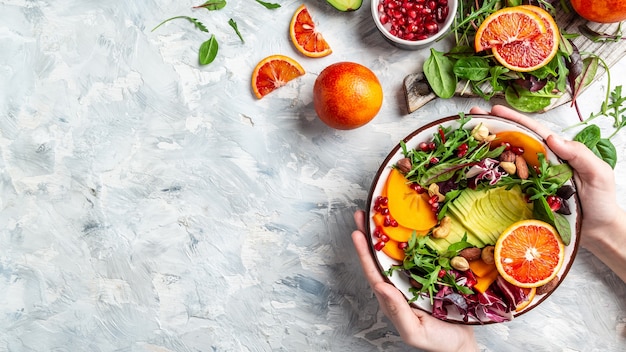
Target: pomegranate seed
{"x":554,"y":202}
{"x":387,"y":221}
{"x":417,"y":188}
{"x":379,"y":245}
{"x":433,"y":200}
{"x":423,"y":146}
{"x":402,"y":245}
{"x":441,"y":273}
{"x":507,"y":145}
{"x":378,"y":232}
{"x":384,"y":238}
{"x":377,"y":208}
{"x":384,"y":211}
{"x":432,"y":146}
{"x":517,"y":150}
{"x":434,"y":160}
{"x":394,"y":223}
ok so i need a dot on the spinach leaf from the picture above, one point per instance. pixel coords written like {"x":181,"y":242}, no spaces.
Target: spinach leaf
{"x":268,"y":5}
{"x":208,"y":51}
{"x":589,"y":136}
{"x":474,"y":68}
{"x":527,"y":101}
{"x":605,"y":150}
{"x":563,"y":228}
{"x":212,"y":5}
{"x":438,"y":70}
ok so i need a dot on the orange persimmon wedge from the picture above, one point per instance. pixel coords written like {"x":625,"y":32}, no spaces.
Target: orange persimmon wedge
{"x":398,"y":233}
{"x":406,"y":206}
{"x":531,"y":146}
{"x":483,"y":282}
{"x":485,"y":273}
{"x":393,"y":251}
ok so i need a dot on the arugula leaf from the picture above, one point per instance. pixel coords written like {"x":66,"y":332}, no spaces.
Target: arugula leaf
{"x":208,"y":51}
{"x":233,"y":24}
{"x":268,"y":5}
{"x":195,"y":22}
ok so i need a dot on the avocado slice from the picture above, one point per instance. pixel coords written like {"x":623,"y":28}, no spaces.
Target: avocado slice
{"x":345,"y":5}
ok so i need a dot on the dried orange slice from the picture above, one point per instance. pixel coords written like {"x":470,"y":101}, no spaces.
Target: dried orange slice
{"x":522,"y":38}
{"x":305,"y":36}
{"x":529,"y":253}
{"x":274,"y":72}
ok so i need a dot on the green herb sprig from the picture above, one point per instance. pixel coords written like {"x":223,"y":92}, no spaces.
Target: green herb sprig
{"x":424,"y":265}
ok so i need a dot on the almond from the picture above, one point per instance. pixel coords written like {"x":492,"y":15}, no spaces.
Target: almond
{"x":507,"y":156}
{"x":470,"y":253}
{"x":548,"y":287}
{"x":404,"y":165}
{"x":522,"y":167}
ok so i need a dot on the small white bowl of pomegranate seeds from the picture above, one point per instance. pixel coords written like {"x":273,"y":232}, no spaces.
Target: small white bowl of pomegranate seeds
{"x":413,"y":24}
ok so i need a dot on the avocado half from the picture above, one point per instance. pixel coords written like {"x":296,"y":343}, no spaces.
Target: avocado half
{"x":346,"y":5}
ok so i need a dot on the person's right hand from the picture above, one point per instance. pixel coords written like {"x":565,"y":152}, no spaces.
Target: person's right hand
{"x":603,"y":219}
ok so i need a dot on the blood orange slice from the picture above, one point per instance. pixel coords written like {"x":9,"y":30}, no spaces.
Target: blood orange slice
{"x":274,"y":72}
{"x":305,"y":36}
{"x":522,"y":38}
{"x":529,"y":55}
{"x":529,"y":253}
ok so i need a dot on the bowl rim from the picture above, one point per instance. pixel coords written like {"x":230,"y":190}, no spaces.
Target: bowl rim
{"x":452,"y":9}
{"x":575,"y":244}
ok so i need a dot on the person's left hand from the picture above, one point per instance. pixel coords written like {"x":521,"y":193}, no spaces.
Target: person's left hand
{"x":416,"y":327}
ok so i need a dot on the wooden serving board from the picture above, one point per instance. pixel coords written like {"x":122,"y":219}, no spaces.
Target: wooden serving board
{"x":418,"y":92}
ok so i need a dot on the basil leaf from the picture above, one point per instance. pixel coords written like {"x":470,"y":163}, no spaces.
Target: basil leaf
{"x":605,"y":150}
{"x":438,"y":70}
{"x":474,"y":68}
{"x":563,"y":228}
{"x":208,"y":51}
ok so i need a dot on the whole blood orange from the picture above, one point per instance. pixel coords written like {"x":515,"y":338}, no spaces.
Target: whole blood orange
{"x":347,"y":95}
{"x":529,"y":253}
{"x":607,"y":11}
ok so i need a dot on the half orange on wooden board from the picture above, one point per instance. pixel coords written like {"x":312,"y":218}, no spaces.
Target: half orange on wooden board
{"x":522,"y":38}
{"x":529,"y":253}
{"x":274,"y":72}
{"x":305,"y":36}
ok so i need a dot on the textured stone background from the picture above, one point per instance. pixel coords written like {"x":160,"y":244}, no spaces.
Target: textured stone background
{"x":151,"y":204}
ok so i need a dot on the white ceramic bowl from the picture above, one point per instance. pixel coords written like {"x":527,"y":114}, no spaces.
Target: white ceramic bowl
{"x":414,"y":44}
{"x":425,"y":134}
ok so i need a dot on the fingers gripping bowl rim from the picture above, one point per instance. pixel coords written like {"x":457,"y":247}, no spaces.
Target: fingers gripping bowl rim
{"x":425,"y":132}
